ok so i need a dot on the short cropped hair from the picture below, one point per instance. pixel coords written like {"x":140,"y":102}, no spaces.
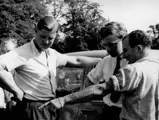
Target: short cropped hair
{"x":113,"y":28}
{"x":4,"y":43}
{"x":48,"y":23}
{"x":139,"y":37}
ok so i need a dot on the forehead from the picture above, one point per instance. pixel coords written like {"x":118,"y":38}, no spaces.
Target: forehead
{"x":110,"y":39}
{"x":126,"y":42}
{"x":45,"y":32}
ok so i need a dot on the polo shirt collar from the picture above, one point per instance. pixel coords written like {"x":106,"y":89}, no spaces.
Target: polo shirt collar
{"x":35,"y":50}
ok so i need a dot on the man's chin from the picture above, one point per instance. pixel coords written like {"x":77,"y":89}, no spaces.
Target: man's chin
{"x":44,"y":48}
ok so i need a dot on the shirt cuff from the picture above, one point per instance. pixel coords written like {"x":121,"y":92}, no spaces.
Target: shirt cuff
{"x":92,"y":79}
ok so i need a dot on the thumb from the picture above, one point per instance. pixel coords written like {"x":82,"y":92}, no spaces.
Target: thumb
{"x":43,"y":105}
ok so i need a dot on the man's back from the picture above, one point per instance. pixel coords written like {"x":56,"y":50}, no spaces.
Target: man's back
{"x":140,"y":92}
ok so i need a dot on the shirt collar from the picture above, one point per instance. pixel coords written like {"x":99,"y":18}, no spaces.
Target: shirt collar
{"x":35,"y":50}
{"x":149,"y":58}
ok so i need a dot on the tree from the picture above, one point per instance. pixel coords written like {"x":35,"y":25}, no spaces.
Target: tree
{"x":18,"y":18}
{"x":80,"y":22}
{"x":84,"y":21}
{"x":154,"y":34}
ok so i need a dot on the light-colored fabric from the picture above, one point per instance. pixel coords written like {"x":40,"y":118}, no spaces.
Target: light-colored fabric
{"x":90,"y":53}
{"x":5,"y":97}
{"x":31,"y":69}
{"x":2,"y":99}
{"x":139,"y":83}
{"x":104,"y":70}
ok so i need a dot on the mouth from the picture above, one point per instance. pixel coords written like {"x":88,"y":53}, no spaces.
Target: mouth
{"x":44,"y":45}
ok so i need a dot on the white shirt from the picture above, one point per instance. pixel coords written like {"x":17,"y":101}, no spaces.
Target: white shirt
{"x":32,"y":73}
{"x":139,"y":84}
{"x":2,"y":99}
{"x":104,"y":70}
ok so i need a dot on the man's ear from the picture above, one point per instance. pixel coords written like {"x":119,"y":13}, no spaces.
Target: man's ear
{"x":139,"y":48}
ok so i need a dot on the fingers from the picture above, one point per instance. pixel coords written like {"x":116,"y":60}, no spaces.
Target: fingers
{"x":56,"y":103}
{"x":43,"y":105}
{"x":101,"y":86}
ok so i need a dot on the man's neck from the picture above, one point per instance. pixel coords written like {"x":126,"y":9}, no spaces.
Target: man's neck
{"x":145,"y":53}
{"x":37,"y":47}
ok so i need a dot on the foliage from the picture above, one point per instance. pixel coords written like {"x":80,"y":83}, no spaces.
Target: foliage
{"x":154,"y":33}
{"x":83,"y":23}
{"x":80,"y":21}
{"x":18,"y":18}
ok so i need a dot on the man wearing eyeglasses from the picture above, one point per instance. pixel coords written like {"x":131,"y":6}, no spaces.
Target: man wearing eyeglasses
{"x":112,"y":35}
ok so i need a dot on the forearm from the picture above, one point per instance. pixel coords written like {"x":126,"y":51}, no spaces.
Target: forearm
{"x":78,"y":96}
{"x":89,"y":92}
{"x":92,"y":53}
{"x":7,"y":82}
{"x":87,"y":61}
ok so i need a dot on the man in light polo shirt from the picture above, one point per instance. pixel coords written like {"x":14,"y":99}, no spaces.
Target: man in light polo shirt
{"x":35,"y":66}
{"x":112,"y":34}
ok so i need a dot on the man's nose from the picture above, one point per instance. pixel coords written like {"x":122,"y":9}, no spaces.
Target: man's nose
{"x":46,"y":41}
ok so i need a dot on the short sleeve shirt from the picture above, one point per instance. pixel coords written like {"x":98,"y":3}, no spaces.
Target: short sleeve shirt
{"x":2,"y":100}
{"x":139,"y":83}
{"x":104,"y":70}
{"x":32,"y":71}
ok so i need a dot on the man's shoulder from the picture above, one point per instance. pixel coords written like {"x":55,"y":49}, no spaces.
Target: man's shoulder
{"x":26,"y":48}
{"x":57,"y":54}
{"x":129,"y":68}
{"x":53,"y":51}
{"x":109,"y":57}
{"x":107,"y":60}
{"x":28,"y":44}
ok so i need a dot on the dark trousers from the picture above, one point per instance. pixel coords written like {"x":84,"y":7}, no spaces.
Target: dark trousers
{"x":110,"y":113}
{"x":3,"y":114}
{"x":29,"y":110}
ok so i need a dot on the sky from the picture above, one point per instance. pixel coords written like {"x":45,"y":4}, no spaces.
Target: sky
{"x":135,"y":14}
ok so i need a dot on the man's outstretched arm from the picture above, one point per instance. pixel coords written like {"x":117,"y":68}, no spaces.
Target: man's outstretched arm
{"x":98,"y":89}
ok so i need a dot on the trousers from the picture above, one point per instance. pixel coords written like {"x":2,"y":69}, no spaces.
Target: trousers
{"x":29,"y":110}
{"x":110,"y":113}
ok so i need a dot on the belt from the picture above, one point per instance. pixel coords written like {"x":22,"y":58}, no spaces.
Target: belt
{"x":29,"y":100}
